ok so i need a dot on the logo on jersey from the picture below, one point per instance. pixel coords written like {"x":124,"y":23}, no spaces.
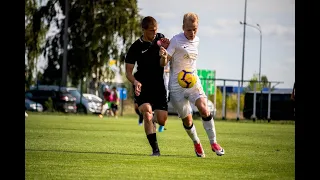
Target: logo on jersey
{"x":190,"y":56}
{"x":144,"y":51}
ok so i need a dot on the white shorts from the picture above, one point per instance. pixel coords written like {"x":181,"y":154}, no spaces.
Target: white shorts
{"x":182,"y":98}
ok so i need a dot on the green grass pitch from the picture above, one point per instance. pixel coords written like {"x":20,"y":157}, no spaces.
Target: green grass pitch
{"x":87,"y":147}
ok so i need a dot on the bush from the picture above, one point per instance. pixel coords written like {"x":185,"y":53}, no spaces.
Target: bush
{"x":49,"y":105}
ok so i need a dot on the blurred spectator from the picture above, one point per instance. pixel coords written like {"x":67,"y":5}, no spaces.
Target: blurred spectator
{"x":106,"y":102}
{"x":114,"y":99}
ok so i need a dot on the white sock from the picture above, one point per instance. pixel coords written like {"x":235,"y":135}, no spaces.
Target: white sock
{"x":193,"y":134}
{"x":211,"y":130}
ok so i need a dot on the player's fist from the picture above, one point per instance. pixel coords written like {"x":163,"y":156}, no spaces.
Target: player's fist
{"x":137,"y":87}
{"x":163,"y":42}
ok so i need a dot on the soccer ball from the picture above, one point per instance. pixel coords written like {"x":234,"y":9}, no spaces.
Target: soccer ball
{"x":186,"y":78}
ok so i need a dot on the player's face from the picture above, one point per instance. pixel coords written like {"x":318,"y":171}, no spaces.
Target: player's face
{"x":150,"y":33}
{"x":190,"y":29}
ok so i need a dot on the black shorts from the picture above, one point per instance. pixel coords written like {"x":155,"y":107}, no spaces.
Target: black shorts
{"x":156,"y":97}
{"x":114,"y":106}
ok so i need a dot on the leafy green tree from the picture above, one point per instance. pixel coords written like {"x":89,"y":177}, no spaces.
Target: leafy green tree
{"x":98,"y":30}
{"x":231,"y":102}
{"x":35,"y":32}
{"x":259,"y":86}
{"x":218,"y":99}
{"x":264,"y":82}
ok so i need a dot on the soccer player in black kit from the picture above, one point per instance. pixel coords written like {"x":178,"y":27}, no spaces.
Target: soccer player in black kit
{"x":150,"y":92}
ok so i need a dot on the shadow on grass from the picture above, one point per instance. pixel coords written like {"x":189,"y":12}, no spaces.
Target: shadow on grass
{"x":115,"y":153}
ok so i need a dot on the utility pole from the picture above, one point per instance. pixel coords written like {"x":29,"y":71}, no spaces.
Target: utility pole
{"x":244,"y":40}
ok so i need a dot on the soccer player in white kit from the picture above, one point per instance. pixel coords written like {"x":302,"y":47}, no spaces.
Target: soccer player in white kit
{"x":182,"y":54}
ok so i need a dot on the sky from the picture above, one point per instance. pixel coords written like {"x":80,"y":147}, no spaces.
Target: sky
{"x":221,"y":35}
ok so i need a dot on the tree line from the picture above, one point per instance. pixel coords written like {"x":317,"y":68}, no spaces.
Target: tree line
{"x":98,"y":30}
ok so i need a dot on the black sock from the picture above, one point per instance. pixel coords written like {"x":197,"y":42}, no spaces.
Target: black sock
{"x":140,"y":118}
{"x":137,"y":111}
{"x":153,"y":142}
{"x":140,"y":115}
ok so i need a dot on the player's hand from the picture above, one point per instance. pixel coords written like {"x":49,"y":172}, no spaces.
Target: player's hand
{"x":137,"y":86}
{"x":163,"y":52}
{"x":165,"y":42}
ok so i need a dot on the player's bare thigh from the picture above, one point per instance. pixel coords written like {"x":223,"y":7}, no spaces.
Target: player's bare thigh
{"x":201,"y":104}
{"x":198,"y":97}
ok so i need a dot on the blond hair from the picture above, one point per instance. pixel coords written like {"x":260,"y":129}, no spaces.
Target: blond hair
{"x":190,"y":17}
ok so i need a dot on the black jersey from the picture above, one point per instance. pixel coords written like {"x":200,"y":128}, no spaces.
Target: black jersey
{"x":146,"y":54}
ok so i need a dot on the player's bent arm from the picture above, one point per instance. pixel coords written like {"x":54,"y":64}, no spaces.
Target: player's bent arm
{"x":129,"y":70}
{"x":164,"y":60}
{"x":170,"y":50}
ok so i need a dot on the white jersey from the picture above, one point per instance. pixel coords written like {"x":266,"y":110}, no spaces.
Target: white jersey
{"x":184,"y":54}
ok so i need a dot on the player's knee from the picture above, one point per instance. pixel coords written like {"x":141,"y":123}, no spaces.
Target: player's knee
{"x":204,"y":112}
{"x":147,"y":116}
{"x":187,"y":121}
{"x":146,"y":110}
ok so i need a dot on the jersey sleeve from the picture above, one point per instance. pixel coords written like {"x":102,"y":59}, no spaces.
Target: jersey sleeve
{"x":172,"y":46}
{"x":132,"y":55}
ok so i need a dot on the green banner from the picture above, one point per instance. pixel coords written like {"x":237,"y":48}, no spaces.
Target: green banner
{"x":208,"y":85}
